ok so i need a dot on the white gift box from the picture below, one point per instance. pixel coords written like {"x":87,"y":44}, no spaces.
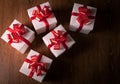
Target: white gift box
{"x":40,"y":27}
{"x":25,"y":70}
{"x":74,"y":24}
{"x":50,"y":35}
{"x":21,"y":46}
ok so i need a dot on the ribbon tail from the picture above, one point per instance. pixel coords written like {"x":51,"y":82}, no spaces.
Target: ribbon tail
{"x":28,"y":61}
{"x":75,"y":14}
{"x":39,"y":72}
{"x":80,"y":27}
{"x":9,"y":42}
{"x":46,"y":24}
{"x":31,"y":73}
{"x":64,"y":45}
{"x":38,"y":7}
{"x":50,"y":45}
{"x":9,"y":37}
{"x":43,"y":67}
{"x":9,"y":29}
{"x":25,"y":40}
{"x":32,"y":18}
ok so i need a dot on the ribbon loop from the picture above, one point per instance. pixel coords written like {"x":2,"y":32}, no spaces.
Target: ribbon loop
{"x":84,"y":16}
{"x":59,"y":38}
{"x":16,"y":34}
{"x":36,"y":66}
{"x":41,"y":14}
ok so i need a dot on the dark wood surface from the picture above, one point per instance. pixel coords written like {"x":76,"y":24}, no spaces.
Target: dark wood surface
{"x":94,"y":59}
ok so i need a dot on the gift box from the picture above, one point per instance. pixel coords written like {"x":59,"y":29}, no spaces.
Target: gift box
{"x":58,"y":40}
{"x":42,"y":17}
{"x":82,"y":18}
{"x":18,"y":36}
{"x":36,"y":65}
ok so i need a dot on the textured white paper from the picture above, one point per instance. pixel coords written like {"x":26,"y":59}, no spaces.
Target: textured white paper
{"x":24,"y":69}
{"x":69,"y":43}
{"x":40,"y":26}
{"x":20,"y":46}
{"x":74,"y":25}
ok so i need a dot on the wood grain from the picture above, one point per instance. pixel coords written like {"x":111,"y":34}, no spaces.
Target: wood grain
{"x":94,"y":59}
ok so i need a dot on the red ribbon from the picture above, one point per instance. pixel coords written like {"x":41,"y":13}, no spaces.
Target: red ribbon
{"x":36,"y":66}
{"x":58,"y":39}
{"x":42,"y":15}
{"x":16,"y":34}
{"x":84,"y":16}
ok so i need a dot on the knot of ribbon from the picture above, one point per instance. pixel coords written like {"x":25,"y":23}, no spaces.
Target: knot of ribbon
{"x":59,"y":38}
{"x":41,"y":14}
{"x":84,"y":16}
{"x":16,"y":34}
{"x":36,"y":66}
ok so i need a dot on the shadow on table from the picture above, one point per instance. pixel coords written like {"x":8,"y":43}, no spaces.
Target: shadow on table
{"x":60,"y":70}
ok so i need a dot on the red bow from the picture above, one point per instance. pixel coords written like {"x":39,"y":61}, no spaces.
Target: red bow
{"x":42,"y":15}
{"x":84,"y":16}
{"x":36,"y":66}
{"x":58,"y":39}
{"x":16,"y":34}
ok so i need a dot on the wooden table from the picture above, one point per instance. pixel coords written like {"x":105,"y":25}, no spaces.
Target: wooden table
{"x":94,"y":59}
